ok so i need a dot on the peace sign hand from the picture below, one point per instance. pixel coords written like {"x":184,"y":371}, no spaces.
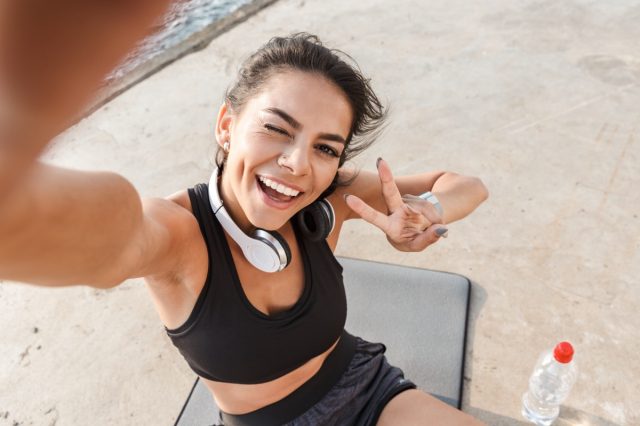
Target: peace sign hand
{"x":412,"y":223}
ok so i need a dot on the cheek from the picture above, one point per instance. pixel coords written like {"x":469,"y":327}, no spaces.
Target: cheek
{"x":249,"y":151}
{"x":259,"y":147}
{"x":326,"y":176}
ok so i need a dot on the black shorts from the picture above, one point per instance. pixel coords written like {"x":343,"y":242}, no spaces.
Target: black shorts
{"x":352,"y":387}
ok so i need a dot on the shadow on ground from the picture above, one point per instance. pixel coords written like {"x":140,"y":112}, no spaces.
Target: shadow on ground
{"x":568,"y":417}
{"x":477,"y":302}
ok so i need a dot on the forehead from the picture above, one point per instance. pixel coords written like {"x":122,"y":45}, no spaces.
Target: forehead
{"x":309,"y":98}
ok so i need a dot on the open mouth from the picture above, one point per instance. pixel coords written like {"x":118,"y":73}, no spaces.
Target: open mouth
{"x":277,"y":192}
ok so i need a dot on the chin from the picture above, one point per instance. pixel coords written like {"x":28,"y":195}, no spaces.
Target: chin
{"x":272,"y":224}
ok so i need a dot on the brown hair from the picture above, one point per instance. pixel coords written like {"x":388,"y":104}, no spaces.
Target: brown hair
{"x":305,"y":52}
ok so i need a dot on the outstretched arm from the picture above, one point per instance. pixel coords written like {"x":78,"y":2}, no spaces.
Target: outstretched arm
{"x":60,"y":226}
{"x":54,"y":55}
{"x":68,"y":227}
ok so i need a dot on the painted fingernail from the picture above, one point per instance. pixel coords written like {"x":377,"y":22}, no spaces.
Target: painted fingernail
{"x":378,"y":162}
{"x":442,"y":232}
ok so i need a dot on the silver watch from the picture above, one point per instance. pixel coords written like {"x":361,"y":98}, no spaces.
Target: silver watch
{"x":430,"y":197}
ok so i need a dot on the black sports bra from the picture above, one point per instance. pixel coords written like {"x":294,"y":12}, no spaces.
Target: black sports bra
{"x":227,"y":339}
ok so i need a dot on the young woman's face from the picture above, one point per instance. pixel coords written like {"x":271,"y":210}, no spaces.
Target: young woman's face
{"x":289,"y":137}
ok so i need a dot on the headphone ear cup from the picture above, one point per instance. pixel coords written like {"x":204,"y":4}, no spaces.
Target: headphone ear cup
{"x":285,"y":246}
{"x":316,"y":220}
{"x":279,"y":245}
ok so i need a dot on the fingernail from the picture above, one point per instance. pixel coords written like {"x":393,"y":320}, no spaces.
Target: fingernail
{"x":345,"y":197}
{"x":378,"y":162}
{"x":442,"y":232}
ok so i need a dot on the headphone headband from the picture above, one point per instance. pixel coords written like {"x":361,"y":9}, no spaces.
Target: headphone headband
{"x":264,"y":250}
{"x":268,"y":250}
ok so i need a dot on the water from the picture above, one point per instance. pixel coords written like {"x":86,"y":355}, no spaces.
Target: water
{"x":549,"y":386}
{"x":184,"y":18}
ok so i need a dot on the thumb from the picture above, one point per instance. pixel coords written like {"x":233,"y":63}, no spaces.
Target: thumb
{"x":431,"y":235}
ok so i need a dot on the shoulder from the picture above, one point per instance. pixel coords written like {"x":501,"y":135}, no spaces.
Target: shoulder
{"x":172,"y":215}
{"x":182,"y":252}
{"x":173,"y":212}
{"x":183,"y":261}
{"x":359,"y":183}
{"x":181,"y":198}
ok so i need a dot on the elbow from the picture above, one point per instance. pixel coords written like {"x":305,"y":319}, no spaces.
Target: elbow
{"x":100,"y":280}
{"x":472,"y":187}
{"x":107,"y":283}
{"x":482,"y":190}
{"x":100,"y":285}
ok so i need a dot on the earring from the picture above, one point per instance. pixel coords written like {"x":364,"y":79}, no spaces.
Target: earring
{"x":225,"y":146}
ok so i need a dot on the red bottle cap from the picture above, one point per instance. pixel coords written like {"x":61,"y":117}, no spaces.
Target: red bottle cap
{"x":563,"y":352}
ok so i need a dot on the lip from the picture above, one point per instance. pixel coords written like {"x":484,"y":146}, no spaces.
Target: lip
{"x":297,"y":188}
{"x":280,"y":205}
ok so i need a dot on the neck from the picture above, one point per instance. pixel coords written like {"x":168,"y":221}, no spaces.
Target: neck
{"x":232,"y":206}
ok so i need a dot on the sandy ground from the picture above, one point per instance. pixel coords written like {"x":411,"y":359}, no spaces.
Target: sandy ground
{"x":538,"y":98}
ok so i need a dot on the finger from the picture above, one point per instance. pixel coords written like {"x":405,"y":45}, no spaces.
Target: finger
{"x":367,"y":213}
{"x":425,"y":208}
{"x":430,"y":236}
{"x":415,"y":219}
{"x":390,"y":191}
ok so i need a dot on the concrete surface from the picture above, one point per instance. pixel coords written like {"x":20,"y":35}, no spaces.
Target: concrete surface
{"x":538,"y":98}
{"x":192,"y":43}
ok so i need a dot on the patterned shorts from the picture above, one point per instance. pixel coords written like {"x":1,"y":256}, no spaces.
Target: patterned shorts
{"x":352,"y":387}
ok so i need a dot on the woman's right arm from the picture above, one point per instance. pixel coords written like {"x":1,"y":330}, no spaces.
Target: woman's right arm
{"x":67,"y":227}
{"x":60,"y":227}
{"x":54,"y":56}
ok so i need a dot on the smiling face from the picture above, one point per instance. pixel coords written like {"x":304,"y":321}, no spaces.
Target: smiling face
{"x":285,"y":146}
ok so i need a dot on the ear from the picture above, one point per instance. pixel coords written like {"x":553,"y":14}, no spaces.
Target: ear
{"x":224,"y":124}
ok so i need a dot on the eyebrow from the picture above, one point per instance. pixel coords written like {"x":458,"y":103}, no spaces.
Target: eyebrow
{"x":296,"y":125}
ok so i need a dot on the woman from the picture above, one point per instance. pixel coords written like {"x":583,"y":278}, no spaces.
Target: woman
{"x":264,"y":334}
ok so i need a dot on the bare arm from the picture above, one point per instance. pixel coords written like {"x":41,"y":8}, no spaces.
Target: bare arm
{"x":60,"y":226}
{"x":409,"y":222}
{"x":65,"y":227}
{"x":459,"y":195}
{"x":54,"y":55}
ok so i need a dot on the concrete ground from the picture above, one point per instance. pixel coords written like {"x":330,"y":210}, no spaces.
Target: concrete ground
{"x":538,"y":98}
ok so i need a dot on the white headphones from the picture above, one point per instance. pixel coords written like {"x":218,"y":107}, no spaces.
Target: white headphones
{"x":262,"y":249}
{"x":268,"y":250}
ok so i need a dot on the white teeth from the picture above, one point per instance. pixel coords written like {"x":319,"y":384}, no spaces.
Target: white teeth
{"x":279,"y":187}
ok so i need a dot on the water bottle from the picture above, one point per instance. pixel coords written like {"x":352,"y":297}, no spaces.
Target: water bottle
{"x":550,"y":383}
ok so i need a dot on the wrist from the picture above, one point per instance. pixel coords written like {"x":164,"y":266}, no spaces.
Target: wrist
{"x":431,"y":197}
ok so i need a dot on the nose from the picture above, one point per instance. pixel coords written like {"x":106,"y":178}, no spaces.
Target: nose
{"x":296,"y":159}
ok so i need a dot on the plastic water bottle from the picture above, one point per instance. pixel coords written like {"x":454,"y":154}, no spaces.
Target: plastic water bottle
{"x":549,"y":385}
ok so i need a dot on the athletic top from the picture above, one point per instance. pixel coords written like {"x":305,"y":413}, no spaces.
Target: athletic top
{"x":227,"y":339}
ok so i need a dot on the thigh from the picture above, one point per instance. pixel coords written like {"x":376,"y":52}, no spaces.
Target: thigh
{"x":415,"y":407}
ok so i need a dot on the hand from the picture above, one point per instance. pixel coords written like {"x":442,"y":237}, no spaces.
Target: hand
{"x":412,"y":224}
{"x":54,"y":55}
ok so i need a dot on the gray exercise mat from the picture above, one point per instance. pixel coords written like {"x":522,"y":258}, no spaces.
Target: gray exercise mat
{"x":419,"y":314}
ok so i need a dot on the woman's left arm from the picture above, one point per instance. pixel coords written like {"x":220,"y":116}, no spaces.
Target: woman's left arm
{"x":410,"y":223}
{"x":458,"y":195}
